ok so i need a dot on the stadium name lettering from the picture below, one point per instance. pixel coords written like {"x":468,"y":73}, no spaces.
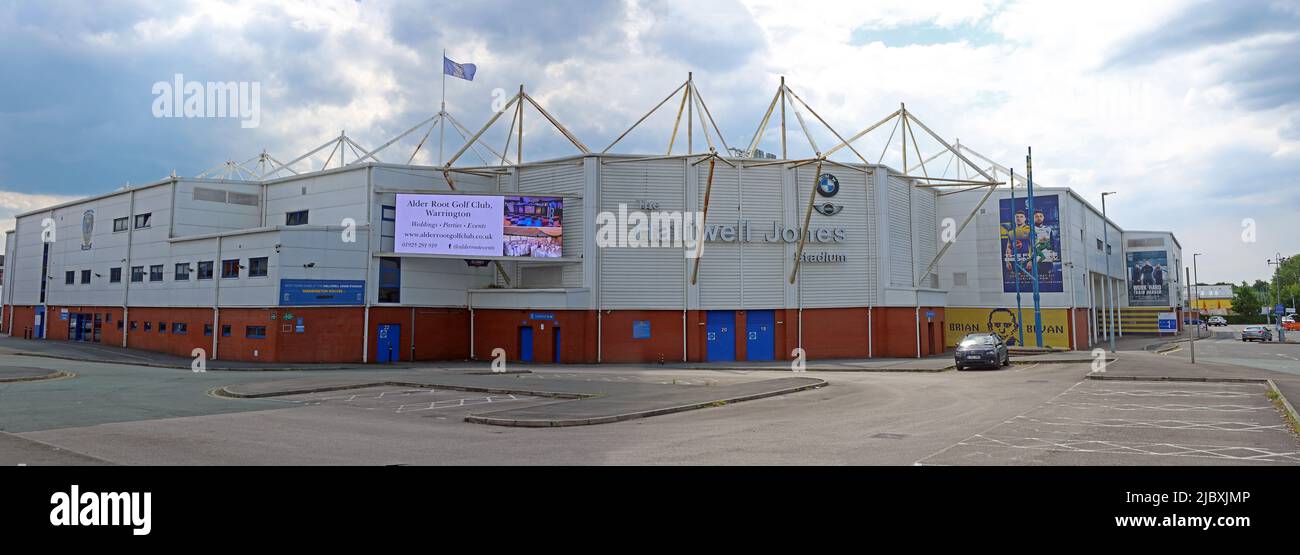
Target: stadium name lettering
{"x":743,"y":232}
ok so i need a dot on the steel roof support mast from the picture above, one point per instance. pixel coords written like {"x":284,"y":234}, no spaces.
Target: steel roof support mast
{"x":1034,"y":254}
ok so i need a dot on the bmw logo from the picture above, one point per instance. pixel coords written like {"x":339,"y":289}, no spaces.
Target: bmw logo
{"x":828,"y":185}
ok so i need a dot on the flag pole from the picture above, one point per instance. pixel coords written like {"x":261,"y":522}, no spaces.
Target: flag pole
{"x":442,"y":109}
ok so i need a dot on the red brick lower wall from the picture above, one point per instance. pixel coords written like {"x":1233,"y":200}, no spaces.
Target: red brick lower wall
{"x":895,"y":331}
{"x":336,"y":334}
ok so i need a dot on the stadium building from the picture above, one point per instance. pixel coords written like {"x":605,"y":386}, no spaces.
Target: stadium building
{"x":550,"y":261}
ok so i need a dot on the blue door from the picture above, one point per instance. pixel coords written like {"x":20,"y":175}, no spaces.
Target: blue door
{"x":557,"y":344}
{"x":760,"y":335}
{"x":38,"y":332}
{"x":526,"y":343}
{"x":389,"y":340}
{"x":720,"y":335}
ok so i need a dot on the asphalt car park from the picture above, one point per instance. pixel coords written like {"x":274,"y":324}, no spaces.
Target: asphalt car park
{"x":1098,"y":422}
{"x":405,"y":400}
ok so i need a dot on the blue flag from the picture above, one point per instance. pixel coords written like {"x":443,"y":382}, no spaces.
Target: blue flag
{"x":463,"y":71}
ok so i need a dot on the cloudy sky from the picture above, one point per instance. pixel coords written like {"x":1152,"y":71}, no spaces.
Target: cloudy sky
{"x":1190,"y":110}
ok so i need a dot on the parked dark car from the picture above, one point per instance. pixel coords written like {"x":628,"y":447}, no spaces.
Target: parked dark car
{"x":1256,"y":333}
{"x":982,"y":349}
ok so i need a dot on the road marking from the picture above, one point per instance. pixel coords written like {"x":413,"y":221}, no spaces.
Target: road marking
{"x":1137,"y":448}
{"x":1216,"y":425}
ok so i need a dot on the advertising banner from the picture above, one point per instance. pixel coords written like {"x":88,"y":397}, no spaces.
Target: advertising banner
{"x":1148,"y":278}
{"x":296,"y":292}
{"x":1004,"y":322}
{"x":475,"y":226}
{"x":1043,"y":256}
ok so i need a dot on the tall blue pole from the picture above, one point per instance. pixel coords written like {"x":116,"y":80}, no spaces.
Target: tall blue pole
{"x":1015,"y":260}
{"x":1033,"y":247}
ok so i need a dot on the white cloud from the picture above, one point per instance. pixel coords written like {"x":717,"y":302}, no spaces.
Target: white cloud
{"x":12,"y":204}
{"x":1174,"y":133}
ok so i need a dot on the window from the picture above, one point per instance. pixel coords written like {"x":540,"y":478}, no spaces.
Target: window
{"x":119,"y":224}
{"x":182,"y":271}
{"x":115,"y":275}
{"x":69,"y":277}
{"x":207,"y":330}
{"x":155,"y":272}
{"x":1099,"y":244}
{"x":225,"y":330}
{"x":181,"y":328}
{"x":390,"y":280}
{"x":162,"y":327}
{"x":1107,"y":249}
{"x":119,"y":325}
{"x":143,"y":220}
{"x":137,"y":274}
{"x":230,"y":268}
{"x":205,"y":270}
{"x":257,"y":267}
{"x":296,"y":218}
{"x":133,"y":325}
{"x":85,"y":277}
{"x":148,"y":326}
{"x":255,"y":332}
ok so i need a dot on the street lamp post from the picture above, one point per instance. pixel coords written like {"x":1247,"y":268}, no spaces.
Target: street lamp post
{"x":1105,"y":231}
{"x":1196,"y":293}
{"x":1277,"y":292}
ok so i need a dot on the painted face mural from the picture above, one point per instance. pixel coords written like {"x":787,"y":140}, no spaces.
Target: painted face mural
{"x":1003,"y":323}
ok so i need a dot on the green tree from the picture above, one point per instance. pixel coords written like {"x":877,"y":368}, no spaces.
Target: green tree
{"x":1245,"y":299}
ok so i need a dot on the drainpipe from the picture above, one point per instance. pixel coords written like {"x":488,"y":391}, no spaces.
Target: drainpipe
{"x":471,"y":331}
{"x":870,"y":352}
{"x":917,"y":312}
{"x":126,"y":283}
{"x":600,"y":328}
{"x":370,"y":257}
{"x":412,"y":334}
{"x":683,"y":335}
{"x":216,"y":301}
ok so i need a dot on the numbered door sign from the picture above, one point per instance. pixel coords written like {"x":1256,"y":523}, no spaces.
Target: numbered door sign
{"x":713,"y":336}
{"x":753,"y":336}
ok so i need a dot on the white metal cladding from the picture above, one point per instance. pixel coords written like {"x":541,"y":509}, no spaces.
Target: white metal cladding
{"x":763,"y":265}
{"x":329,"y":198}
{"x":196,"y":215}
{"x":560,"y":179}
{"x":642,"y":277}
{"x":927,"y":238}
{"x":900,"y":233}
{"x":837,"y":284}
{"x":721,"y":273}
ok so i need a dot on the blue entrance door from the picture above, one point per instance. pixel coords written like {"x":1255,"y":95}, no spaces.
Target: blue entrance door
{"x":720,"y":335}
{"x":760,"y":335}
{"x":526,"y":343}
{"x":557,"y":344}
{"x":76,"y":326}
{"x":390,"y":337}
